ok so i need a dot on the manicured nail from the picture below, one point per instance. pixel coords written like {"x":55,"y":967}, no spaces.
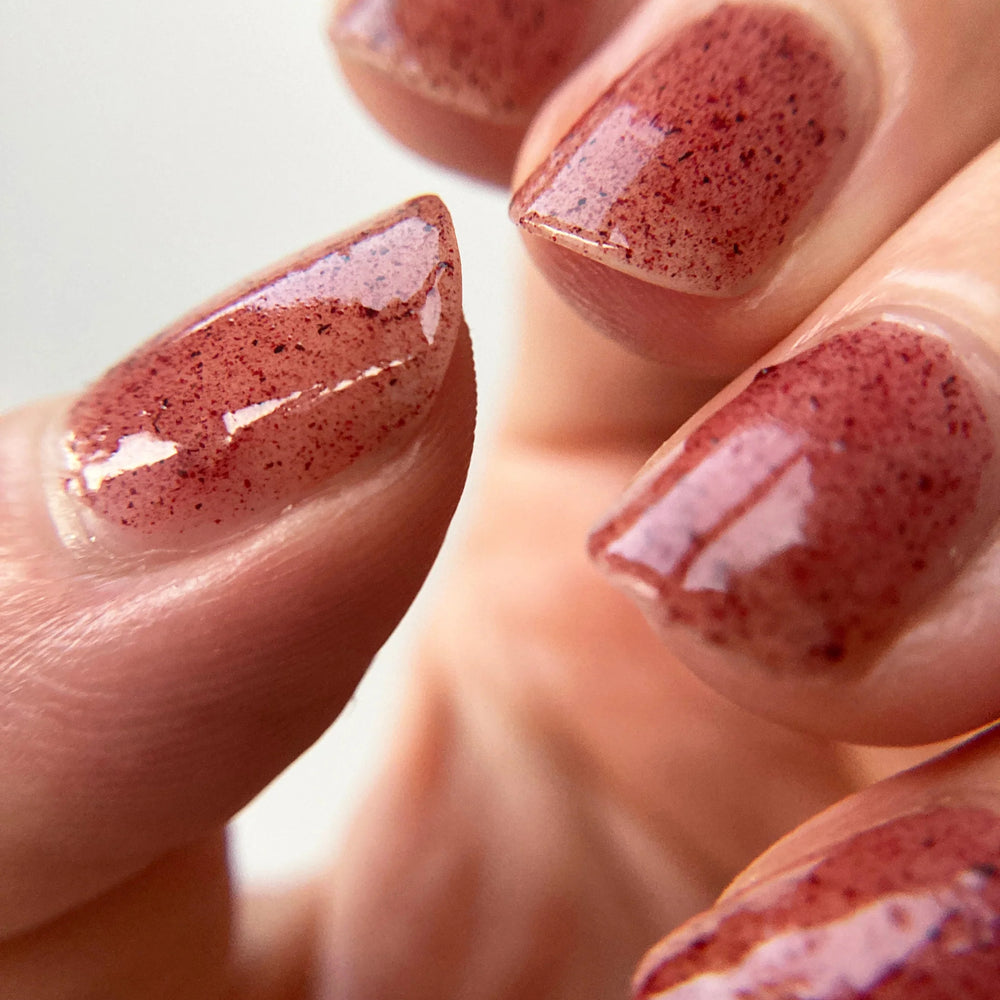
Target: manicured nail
{"x":806,"y":520}
{"x":905,"y":911}
{"x":273,"y":389}
{"x":698,"y":166}
{"x":489,"y":58}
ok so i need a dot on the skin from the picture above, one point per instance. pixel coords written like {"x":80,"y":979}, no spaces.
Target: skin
{"x":561,"y":790}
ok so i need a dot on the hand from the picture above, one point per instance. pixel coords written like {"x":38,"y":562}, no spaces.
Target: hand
{"x":564,"y":787}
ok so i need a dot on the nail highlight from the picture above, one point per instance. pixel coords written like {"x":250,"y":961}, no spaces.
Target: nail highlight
{"x":809,"y":517}
{"x":698,"y":165}
{"x":270,"y":390}
{"x":909,"y":910}
{"x":489,"y":58}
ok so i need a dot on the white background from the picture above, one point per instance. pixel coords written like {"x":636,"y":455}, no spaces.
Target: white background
{"x":151,"y":155}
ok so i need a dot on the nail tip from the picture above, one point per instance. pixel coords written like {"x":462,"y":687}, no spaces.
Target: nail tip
{"x":515,"y":212}
{"x":616,"y":257}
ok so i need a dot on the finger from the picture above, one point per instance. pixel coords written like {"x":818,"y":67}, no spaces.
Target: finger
{"x":696,"y":197}
{"x":812,"y":540}
{"x":458,"y":82}
{"x":893,"y":893}
{"x":203,"y":552}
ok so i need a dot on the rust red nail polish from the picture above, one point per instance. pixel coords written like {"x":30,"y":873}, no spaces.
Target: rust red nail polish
{"x":803,"y":522}
{"x":697,"y":167}
{"x":490,"y":58}
{"x":271,"y":390}
{"x":909,"y":910}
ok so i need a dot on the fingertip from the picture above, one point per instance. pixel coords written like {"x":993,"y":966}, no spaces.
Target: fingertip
{"x":163,"y":679}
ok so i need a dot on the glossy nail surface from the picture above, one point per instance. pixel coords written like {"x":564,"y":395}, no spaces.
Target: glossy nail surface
{"x":699,"y":164}
{"x":489,"y":58}
{"x":805,"y":520}
{"x":271,"y":390}
{"x":905,"y":911}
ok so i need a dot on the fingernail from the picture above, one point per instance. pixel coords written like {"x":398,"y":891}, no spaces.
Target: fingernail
{"x":808,"y":518}
{"x":274,"y":388}
{"x":698,"y":166}
{"x":903,"y":911}
{"x":491,"y":59}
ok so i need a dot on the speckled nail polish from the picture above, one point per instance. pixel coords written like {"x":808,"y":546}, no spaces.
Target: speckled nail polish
{"x":804,"y":521}
{"x":909,"y":910}
{"x":273,"y":389}
{"x":701,"y":163}
{"x":489,"y":58}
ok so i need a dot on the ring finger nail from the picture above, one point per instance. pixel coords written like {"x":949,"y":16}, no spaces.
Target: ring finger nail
{"x":805,"y":520}
{"x":699,"y":164}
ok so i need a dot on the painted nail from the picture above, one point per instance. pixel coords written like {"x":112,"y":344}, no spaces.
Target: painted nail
{"x":272,"y":389}
{"x":696,"y":167}
{"x":805,"y":520}
{"x":909,"y":910}
{"x":491,"y":59}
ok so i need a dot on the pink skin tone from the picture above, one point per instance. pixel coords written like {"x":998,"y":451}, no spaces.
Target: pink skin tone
{"x":698,"y":165}
{"x":490,"y":58}
{"x":909,"y":910}
{"x":806,"y":520}
{"x":268,"y":392}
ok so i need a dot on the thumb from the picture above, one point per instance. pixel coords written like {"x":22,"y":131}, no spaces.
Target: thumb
{"x":204,"y":551}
